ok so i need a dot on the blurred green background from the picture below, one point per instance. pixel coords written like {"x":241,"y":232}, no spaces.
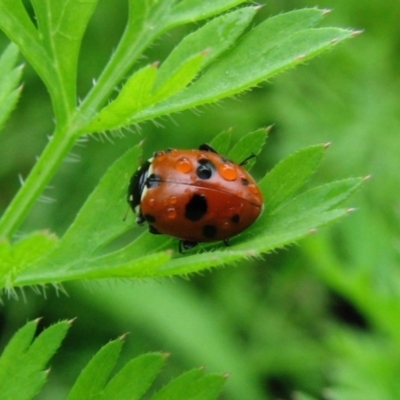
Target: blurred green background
{"x":322,"y":317}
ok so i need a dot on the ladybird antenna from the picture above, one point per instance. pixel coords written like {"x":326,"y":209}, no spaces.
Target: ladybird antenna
{"x":247,"y":159}
{"x":126,"y":214}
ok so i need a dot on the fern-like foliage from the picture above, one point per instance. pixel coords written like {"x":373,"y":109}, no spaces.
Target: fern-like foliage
{"x":23,"y":373}
{"x":221,"y":58}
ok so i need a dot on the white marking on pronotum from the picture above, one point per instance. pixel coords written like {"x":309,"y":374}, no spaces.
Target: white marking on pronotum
{"x":149,"y":172}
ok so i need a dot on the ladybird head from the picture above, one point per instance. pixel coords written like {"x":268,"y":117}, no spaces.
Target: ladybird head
{"x":137,"y":186}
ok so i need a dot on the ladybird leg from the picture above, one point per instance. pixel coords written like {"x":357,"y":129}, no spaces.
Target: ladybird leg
{"x":226,"y":242}
{"x":186,"y":245}
{"x":140,"y":218}
{"x":207,"y":147}
{"x":153,"y":230}
{"x":246,"y":160}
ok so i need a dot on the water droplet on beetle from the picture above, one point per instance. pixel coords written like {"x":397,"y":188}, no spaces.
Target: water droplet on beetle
{"x":171,"y":213}
{"x":172,"y":200}
{"x":228,"y":172}
{"x":184,"y":165}
{"x":253,"y":189}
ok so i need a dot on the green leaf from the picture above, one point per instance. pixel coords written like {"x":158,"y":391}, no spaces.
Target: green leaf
{"x":61,"y":26}
{"x":131,"y":382}
{"x":88,"y":232}
{"x":135,"y":378}
{"x":193,"y":53}
{"x":319,"y":199}
{"x":221,"y":142}
{"x":192,"y":385}
{"x":146,"y":21}
{"x":134,"y":96}
{"x":53,"y":48}
{"x":248,"y":145}
{"x":18,"y":26}
{"x":17,"y":257}
{"x":290,"y":175}
{"x":76,"y":256}
{"x":138,"y":93}
{"x":187,"y":11}
{"x":278,"y":43}
{"x":216,"y":36}
{"x":184,"y":386}
{"x":95,"y":375}
{"x":22,"y":361}
{"x":179,"y":79}
{"x":10,"y":77}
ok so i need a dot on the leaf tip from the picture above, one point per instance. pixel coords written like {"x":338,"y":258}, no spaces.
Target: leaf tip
{"x":71,"y":321}
{"x":367,"y":178}
{"x":312,"y":231}
{"x":155,"y":64}
{"x":37,"y":320}
{"x":268,"y":128}
{"x":357,"y":33}
{"x":258,"y":7}
{"x":326,"y":11}
{"x":327,"y":145}
{"x":351,"y":210}
{"x":226,"y":375}
{"x":123,"y":337}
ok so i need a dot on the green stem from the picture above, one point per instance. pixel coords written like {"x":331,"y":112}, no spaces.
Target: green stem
{"x":48,"y":163}
{"x":129,"y":49}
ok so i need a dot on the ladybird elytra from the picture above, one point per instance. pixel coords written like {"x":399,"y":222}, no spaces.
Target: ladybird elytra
{"x":194,"y":195}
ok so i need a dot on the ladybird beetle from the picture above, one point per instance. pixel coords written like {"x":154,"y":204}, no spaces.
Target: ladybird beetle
{"x":194,"y":195}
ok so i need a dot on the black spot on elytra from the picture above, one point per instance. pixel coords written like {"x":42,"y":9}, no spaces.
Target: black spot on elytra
{"x":150,"y":218}
{"x":205,"y":169}
{"x":196,"y":208}
{"x":153,"y":180}
{"x":235,"y":218}
{"x":209,"y":231}
{"x":245,"y":182}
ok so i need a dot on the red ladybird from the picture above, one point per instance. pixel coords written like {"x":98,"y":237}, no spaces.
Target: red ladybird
{"x":194,"y":195}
